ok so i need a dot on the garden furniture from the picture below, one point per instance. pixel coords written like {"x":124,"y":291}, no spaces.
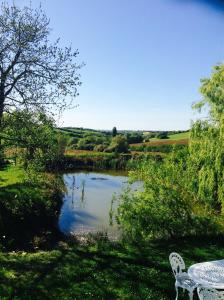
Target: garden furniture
{"x":208,"y":274}
{"x":182,"y":278}
{"x":209,"y":293}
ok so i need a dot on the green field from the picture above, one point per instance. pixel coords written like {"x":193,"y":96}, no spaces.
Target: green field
{"x":180,"y":136}
{"x":174,"y":137}
{"x":82,"y":132}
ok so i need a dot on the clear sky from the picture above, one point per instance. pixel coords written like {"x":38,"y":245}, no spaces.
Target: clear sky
{"x":144,"y":58}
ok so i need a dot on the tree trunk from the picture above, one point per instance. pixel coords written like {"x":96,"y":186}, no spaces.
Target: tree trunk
{"x":2,"y":100}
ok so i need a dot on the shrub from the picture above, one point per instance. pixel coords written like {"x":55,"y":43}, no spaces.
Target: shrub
{"x":134,"y":138}
{"x":166,"y":207}
{"x":99,"y":148}
{"x":162,"y":135}
{"x":118,"y":144}
{"x":158,"y":148}
{"x":90,"y":141}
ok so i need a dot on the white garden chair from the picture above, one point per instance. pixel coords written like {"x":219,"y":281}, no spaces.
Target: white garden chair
{"x":209,"y":294}
{"x":182,"y":279}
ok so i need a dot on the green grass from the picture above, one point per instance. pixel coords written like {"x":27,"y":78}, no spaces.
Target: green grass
{"x":81,"y":132}
{"x":87,"y":153}
{"x":11,"y":175}
{"x":179,"y":136}
{"x":176,"y":137}
{"x":100,"y":271}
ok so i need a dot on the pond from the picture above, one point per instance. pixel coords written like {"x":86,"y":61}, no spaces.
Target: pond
{"x":87,"y":202}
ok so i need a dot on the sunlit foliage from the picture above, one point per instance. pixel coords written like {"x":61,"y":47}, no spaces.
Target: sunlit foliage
{"x":183,"y":194}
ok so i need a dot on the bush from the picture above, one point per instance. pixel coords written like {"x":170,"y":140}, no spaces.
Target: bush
{"x":73,"y":142}
{"x":99,"y":148}
{"x":94,"y":160}
{"x":90,"y":141}
{"x":118,"y":144}
{"x":134,"y":138}
{"x":158,"y":148}
{"x":167,"y":206}
{"x":162,"y":135}
{"x":2,"y":157}
{"x":30,"y":210}
{"x":148,"y":135}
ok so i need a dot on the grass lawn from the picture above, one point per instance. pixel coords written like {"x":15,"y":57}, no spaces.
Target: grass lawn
{"x":100,"y":270}
{"x":11,"y":175}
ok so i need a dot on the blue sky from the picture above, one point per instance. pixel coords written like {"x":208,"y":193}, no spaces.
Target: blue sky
{"x":144,"y":58}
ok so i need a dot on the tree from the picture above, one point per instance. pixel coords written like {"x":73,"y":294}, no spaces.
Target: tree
{"x":114,"y":131}
{"x":207,"y":142}
{"x":34,"y":73}
{"x":90,"y":141}
{"x":35,"y":137}
{"x":118,"y":144}
{"x":162,"y":135}
{"x":134,"y":137}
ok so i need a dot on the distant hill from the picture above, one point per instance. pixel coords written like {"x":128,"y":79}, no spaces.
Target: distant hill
{"x":91,"y":139}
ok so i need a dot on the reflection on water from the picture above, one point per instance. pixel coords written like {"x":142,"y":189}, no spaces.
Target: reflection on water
{"x":87,"y":202}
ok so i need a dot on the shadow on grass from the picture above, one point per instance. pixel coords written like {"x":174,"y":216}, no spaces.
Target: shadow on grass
{"x":101,"y":270}
{"x":28,"y":216}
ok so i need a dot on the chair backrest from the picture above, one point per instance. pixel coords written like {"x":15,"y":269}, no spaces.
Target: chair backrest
{"x":209,"y":294}
{"x":177,"y":263}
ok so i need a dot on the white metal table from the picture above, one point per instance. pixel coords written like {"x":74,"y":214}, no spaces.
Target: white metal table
{"x":209,"y":274}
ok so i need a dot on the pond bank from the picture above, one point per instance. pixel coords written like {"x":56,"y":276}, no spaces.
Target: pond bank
{"x":28,"y":211}
{"x":75,"y":159}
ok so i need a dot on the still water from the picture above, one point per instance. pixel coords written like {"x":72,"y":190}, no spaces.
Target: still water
{"x":87,"y":202}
